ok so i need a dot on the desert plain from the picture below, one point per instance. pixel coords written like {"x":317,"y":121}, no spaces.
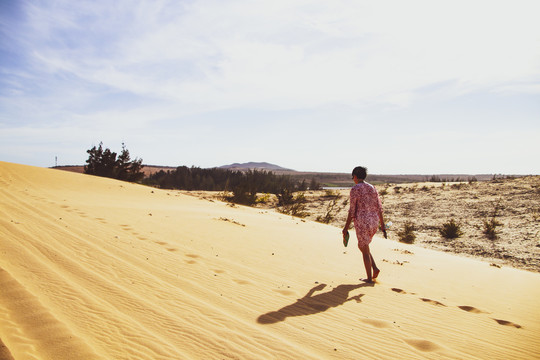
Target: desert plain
{"x":94,"y":268}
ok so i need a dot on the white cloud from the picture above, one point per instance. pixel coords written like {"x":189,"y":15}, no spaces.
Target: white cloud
{"x":232,"y":54}
{"x":159,"y":67}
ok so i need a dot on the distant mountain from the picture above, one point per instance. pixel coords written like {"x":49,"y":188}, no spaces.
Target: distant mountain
{"x":254,"y":166}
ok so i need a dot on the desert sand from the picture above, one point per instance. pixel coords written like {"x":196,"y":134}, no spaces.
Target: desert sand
{"x":94,"y":268}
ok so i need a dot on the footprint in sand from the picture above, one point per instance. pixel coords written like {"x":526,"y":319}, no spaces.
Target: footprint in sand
{"x":381,"y":324}
{"x":172,"y":249}
{"x":241,"y":282}
{"x":284,"y":292}
{"x":399,"y":291}
{"x":218,"y":271}
{"x":432,"y":302}
{"x":472,"y":309}
{"x":160,"y":242}
{"x":422,"y":345}
{"x":193,"y":257}
{"x":508,"y":323}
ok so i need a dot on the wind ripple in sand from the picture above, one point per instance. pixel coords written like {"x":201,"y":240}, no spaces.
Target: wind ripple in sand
{"x":423,"y":345}
{"x":49,"y":336}
{"x":377,"y":323}
{"x":4,"y":352}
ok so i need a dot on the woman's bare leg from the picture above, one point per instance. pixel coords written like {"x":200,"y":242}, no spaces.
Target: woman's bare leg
{"x":376,"y":270}
{"x":367,"y":261}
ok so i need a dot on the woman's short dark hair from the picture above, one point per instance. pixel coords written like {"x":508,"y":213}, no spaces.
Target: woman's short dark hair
{"x":360,"y":172}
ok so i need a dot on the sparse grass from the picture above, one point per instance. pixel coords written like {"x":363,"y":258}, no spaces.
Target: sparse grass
{"x":407,"y":235}
{"x":295,"y":206}
{"x":330,"y":212}
{"x":331,"y":193}
{"x":490,"y":228}
{"x":535,"y":214}
{"x":263,"y":199}
{"x":451,"y":230}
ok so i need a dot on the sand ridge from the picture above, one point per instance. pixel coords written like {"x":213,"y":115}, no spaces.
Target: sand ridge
{"x":97,"y":268}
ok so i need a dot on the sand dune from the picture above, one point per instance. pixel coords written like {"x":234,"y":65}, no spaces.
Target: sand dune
{"x":93,"y":268}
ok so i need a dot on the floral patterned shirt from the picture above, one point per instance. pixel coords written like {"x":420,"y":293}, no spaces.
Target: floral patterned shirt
{"x":365,"y":207}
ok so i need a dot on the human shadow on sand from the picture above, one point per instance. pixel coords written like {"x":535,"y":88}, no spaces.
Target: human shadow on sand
{"x":312,"y":304}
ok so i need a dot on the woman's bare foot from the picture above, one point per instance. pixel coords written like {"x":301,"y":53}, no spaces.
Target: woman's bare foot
{"x":376,"y":273}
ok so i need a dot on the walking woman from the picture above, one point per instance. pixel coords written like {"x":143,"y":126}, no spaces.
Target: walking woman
{"x":366,"y":211}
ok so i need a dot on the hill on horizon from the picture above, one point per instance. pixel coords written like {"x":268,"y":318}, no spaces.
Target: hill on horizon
{"x":254,"y":166}
{"x":331,"y":179}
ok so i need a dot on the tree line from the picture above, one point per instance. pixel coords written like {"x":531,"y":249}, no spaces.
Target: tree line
{"x":106,"y":163}
{"x":244,"y":186}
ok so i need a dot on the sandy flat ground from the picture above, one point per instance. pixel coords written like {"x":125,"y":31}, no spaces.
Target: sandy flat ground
{"x":513,"y":202}
{"x":93,"y":268}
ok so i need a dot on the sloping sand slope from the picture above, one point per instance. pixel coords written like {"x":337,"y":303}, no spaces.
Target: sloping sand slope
{"x":94,"y":268}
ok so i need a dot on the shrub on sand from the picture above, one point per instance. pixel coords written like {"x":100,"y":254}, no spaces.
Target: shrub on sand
{"x":295,"y":206}
{"x":407,"y":235}
{"x":451,"y":230}
{"x":490,"y":228}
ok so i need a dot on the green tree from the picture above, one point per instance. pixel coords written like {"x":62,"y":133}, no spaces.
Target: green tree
{"x":126,"y":169}
{"x":105,"y":163}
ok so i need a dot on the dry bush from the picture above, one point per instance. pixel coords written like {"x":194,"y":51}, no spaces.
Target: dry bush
{"x":407,"y":235}
{"x":490,"y":228}
{"x":295,"y":206}
{"x":450,"y":230}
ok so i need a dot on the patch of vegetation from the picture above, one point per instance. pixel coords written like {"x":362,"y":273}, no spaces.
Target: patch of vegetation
{"x":332,"y":209}
{"x":290,"y":204}
{"x":490,"y":226}
{"x":328,"y":193}
{"x":243,"y":196}
{"x":105,"y":163}
{"x":244,"y":186}
{"x":450,"y":230}
{"x":263,"y":199}
{"x":407,"y":234}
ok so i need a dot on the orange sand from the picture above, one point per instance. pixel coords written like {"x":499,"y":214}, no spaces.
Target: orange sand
{"x":93,"y":268}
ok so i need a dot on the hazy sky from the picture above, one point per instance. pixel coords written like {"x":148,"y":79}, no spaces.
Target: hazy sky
{"x":398,"y":86}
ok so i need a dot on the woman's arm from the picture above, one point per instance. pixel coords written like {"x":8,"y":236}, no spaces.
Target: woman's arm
{"x":381,"y":218}
{"x":352,"y":210}
{"x":383,"y":226}
{"x":348,"y":222}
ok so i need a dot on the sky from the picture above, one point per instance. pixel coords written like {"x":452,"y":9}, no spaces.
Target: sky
{"x":401,"y":87}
